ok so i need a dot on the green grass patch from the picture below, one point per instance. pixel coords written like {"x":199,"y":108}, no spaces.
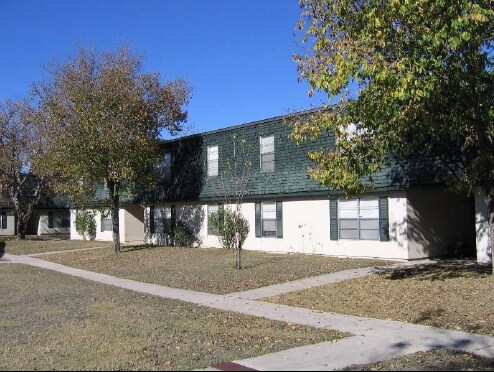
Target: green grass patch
{"x":455,"y":295}
{"x":207,"y":270}
{"x":52,"y":321}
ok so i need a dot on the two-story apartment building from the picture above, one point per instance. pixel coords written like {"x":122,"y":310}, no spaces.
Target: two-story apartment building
{"x":408,"y":214}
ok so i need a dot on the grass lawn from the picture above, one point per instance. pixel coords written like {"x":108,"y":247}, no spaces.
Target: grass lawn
{"x":35,"y":244}
{"x":456,"y":295}
{"x":52,"y":321}
{"x":206,"y":270}
{"x":434,"y":360}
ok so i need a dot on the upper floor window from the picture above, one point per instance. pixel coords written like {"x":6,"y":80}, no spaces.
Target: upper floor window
{"x":165,"y":166}
{"x":267,"y":154}
{"x":213,"y":158}
{"x":358,"y":219}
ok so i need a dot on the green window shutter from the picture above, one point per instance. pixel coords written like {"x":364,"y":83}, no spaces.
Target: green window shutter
{"x":101,"y":223}
{"x":4,"y":220}
{"x":279,"y":219}
{"x":50,"y":220}
{"x":383,"y":220}
{"x":151,"y":219}
{"x":174,"y":220}
{"x":258,"y":220}
{"x":333,"y":219}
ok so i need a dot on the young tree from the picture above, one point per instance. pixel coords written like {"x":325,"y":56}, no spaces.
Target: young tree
{"x":23,"y":175}
{"x":106,"y":116}
{"x":238,"y":175}
{"x":411,"y":74}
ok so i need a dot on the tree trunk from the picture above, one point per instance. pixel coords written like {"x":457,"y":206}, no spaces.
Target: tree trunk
{"x":490,"y":219}
{"x":114,"y":209}
{"x":239,"y":257}
{"x":21,"y":228}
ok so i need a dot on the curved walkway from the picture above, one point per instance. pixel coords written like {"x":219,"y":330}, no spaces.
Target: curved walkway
{"x":373,"y":339}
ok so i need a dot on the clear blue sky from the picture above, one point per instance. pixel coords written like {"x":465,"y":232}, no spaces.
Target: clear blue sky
{"x":236,"y":54}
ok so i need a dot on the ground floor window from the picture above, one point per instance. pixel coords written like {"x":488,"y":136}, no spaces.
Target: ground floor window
{"x":161,"y":219}
{"x":106,"y":222}
{"x":359,"y":219}
{"x":213,"y":230}
{"x":3,"y":218}
{"x":269,"y":219}
{"x":59,"y":220}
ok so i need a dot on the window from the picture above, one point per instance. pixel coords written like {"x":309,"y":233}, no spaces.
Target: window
{"x":213,"y":158}
{"x":358,"y":219}
{"x":58,"y":220}
{"x":267,"y":154}
{"x":162,"y":219}
{"x":4,"y":220}
{"x":269,"y":219}
{"x":106,"y":223}
{"x":213,"y":230}
{"x":65,"y":220}
{"x":165,"y":166}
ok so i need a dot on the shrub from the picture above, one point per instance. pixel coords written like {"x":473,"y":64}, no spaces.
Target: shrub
{"x":183,"y":235}
{"x":85,"y":224}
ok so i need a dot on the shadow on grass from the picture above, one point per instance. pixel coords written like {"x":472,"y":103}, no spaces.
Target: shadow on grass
{"x":439,"y":270}
{"x":140,"y":247}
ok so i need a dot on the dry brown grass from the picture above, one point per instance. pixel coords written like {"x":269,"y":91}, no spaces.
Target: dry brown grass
{"x":206,"y":270}
{"x":51,"y":321}
{"x":35,"y":244}
{"x":456,"y":295}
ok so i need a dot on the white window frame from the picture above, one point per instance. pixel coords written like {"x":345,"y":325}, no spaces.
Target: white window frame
{"x":213,"y":162}
{"x":363,"y":215}
{"x":267,"y":216}
{"x":212,"y":208}
{"x":266,"y":147}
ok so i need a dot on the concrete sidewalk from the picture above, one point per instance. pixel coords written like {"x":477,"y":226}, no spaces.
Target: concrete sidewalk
{"x":373,"y":339}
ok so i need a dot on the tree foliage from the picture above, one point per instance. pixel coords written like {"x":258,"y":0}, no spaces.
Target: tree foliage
{"x":106,"y":116}
{"x":24,"y":176}
{"x":410,"y":74}
{"x":232,"y":227}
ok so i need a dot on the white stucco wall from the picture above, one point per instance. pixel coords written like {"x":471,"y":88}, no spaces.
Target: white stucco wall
{"x":481,"y":228}
{"x":10,"y":230}
{"x":131,"y":226}
{"x":437,"y":220}
{"x":306,"y":229}
{"x":133,"y":220}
